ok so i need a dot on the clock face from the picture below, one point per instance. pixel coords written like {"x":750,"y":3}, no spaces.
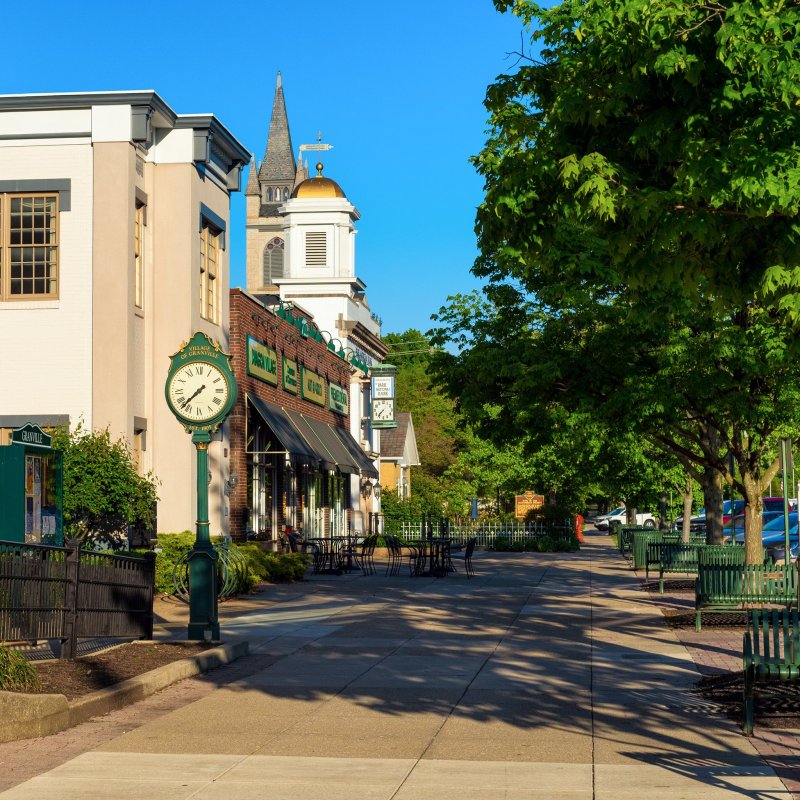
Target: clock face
{"x":382,"y":409}
{"x":198,"y":391}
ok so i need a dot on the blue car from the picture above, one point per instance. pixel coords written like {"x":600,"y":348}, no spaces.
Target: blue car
{"x":772,"y":534}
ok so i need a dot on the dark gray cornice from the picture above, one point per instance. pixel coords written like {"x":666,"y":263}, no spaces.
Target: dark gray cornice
{"x":69,"y":100}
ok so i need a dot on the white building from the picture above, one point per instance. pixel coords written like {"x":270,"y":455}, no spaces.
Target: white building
{"x":114,"y":212}
{"x":301,"y":249}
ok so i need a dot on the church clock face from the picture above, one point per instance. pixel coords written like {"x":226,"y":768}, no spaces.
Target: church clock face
{"x":198,"y":391}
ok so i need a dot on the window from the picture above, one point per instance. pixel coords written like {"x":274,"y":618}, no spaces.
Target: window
{"x":269,"y":195}
{"x":273,"y":260}
{"x":209,"y":272}
{"x":138,"y":254}
{"x":316,"y":249}
{"x":28,"y":246}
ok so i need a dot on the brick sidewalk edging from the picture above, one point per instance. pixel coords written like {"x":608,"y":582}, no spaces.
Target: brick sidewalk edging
{"x":718,"y":651}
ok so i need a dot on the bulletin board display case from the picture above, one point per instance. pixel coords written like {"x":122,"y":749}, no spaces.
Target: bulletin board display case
{"x":31,"y":489}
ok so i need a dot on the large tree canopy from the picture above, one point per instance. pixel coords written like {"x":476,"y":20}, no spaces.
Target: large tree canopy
{"x":640,"y":223}
{"x":653,"y":149}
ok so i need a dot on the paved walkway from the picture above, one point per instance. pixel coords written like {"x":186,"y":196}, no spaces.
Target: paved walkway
{"x":548,"y":676}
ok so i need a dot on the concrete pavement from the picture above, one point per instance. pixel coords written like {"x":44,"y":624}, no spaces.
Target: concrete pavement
{"x":547,"y":676}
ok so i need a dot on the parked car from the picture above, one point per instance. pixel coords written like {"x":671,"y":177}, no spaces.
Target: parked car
{"x":601,"y":521}
{"x":620,"y":514}
{"x":773,"y":535}
{"x":697,"y":523}
{"x":736,"y":525}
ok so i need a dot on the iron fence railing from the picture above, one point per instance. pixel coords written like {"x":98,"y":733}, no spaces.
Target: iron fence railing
{"x":66,"y":593}
{"x":486,"y":532}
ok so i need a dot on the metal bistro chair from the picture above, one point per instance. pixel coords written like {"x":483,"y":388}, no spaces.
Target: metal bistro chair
{"x":362,"y":554}
{"x":395,"y":549}
{"x":466,"y":555}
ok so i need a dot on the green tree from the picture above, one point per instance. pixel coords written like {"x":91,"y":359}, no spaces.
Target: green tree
{"x":103,"y":491}
{"x":643,"y":165}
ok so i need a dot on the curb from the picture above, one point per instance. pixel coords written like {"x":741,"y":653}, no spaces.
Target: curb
{"x":25,"y":716}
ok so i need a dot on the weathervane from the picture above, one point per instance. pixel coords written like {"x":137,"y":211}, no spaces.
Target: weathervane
{"x":319,"y":145}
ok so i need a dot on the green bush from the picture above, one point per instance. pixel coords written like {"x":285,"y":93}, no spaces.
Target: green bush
{"x":274,"y":567}
{"x":539,"y":544}
{"x":262,"y":566}
{"x":16,"y":672}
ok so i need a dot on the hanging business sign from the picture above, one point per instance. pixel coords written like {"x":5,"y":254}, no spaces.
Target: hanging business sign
{"x":290,"y":375}
{"x":312,"y":386}
{"x":31,"y":436}
{"x":262,"y":362}
{"x":338,"y":399}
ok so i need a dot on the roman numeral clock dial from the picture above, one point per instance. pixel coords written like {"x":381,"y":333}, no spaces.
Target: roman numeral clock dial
{"x":197,"y":391}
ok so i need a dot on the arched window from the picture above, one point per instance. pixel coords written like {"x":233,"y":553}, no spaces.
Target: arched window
{"x":269,"y":195}
{"x":285,"y":193}
{"x":273,"y":261}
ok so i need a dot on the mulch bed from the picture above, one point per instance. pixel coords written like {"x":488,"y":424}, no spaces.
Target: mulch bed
{"x":89,"y":673}
{"x":777,"y":706}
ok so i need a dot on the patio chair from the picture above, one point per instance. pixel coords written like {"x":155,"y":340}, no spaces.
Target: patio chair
{"x":395,"y":550}
{"x":466,"y":555}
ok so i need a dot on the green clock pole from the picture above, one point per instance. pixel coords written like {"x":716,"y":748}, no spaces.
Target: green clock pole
{"x":203,"y":616}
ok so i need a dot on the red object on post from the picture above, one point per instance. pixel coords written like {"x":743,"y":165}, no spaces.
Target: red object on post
{"x":579,"y":527}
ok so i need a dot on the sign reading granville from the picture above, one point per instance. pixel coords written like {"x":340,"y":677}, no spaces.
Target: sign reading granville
{"x":524,"y":503}
{"x":289,"y":375}
{"x":338,"y":399}
{"x":262,"y":362}
{"x":31,"y":436}
{"x":312,"y":386}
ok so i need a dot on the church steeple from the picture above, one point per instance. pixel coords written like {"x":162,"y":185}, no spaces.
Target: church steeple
{"x":252,"y":180}
{"x":278,"y":168}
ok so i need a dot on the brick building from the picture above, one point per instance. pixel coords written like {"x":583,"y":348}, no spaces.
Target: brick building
{"x":292,"y":456}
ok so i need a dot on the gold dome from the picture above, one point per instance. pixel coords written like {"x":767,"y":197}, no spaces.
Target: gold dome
{"x":318,"y":186}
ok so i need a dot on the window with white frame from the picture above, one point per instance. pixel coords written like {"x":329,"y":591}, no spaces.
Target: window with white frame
{"x":138,"y":254}
{"x":209,"y":272}
{"x":28,"y":246}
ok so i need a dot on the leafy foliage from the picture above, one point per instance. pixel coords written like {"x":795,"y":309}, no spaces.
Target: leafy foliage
{"x":640,"y":239}
{"x":103,"y":491}
{"x":16,"y":672}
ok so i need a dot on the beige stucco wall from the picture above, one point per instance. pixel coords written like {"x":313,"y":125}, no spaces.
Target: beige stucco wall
{"x":177,"y":193}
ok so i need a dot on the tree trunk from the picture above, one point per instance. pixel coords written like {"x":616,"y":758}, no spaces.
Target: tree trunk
{"x":712,"y":501}
{"x":687,"y":511}
{"x":753,"y":520}
{"x":630,"y":514}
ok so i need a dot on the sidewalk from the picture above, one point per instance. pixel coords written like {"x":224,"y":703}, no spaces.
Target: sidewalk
{"x":547,"y":676}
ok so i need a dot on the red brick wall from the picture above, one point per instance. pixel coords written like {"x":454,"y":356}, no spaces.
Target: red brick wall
{"x":250,"y":318}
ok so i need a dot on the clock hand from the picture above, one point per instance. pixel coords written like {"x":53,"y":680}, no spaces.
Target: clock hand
{"x":189,"y":399}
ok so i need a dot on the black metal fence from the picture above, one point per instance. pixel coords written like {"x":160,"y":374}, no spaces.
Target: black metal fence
{"x":67,"y":593}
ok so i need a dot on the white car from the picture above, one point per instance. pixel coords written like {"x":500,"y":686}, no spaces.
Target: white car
{"x":645,"y":518}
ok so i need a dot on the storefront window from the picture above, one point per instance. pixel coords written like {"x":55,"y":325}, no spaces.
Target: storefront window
{"x":261,"y":489}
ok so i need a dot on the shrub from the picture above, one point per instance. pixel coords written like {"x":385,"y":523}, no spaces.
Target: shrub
{"x":502,"y":544}
{"x":103,"y":491}
{"x":275,"y":567}
{"x":16,"y":672}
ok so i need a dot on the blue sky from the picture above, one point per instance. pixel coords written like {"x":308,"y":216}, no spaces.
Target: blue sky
{"x":397,"y":88}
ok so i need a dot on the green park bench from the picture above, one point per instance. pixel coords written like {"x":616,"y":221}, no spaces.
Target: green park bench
{"x":677,"y":557}
{"x":633,"y":536}
{"x":667,"y":543}
{"x":732,"y":588}
{"x":771,"y":652}
{"x":673,"y":558}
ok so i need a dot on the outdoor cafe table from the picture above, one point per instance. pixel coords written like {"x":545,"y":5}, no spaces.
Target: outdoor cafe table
{"x":333,"y":554}
{"x":433,"y":556}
